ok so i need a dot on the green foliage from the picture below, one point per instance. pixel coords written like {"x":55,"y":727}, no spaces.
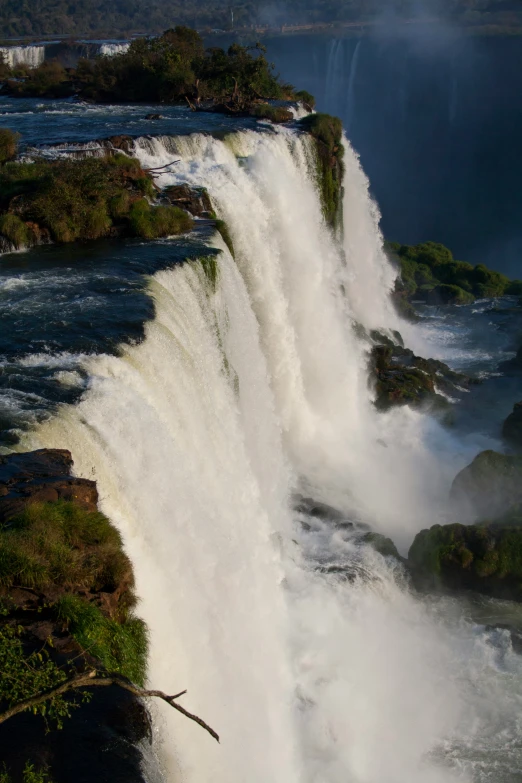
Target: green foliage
{"x":14,"y":230}
{"x":328,"y":134}
{"x":162,"y":69}
{"x":305,"y":97}
{"x":61,"y":544}
{"x":278,"y":114}
{"x":429,"y":272}
{"x":33,"y":775}
{"x":122,"y":17}
{"x":25,"y":676}
{"x":210,"y":267}
{"x":152,"y":222}
{"x":83,"y":199}
{"x":223,"y":229}
{"x":120,"y":647}
{"x":8,"y":144}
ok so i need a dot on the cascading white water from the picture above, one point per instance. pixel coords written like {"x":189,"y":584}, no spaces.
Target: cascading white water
{"x":197,"y":437}
{"x":110,"y":49}
{"x":33,"y":56}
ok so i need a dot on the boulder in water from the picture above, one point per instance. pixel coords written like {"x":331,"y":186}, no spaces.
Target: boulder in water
{"x":193,"y":200}
{"x":512,"y":428}
{"x":153,"y":116}
{"x":486,"y":558}
{"x":490,"y":486}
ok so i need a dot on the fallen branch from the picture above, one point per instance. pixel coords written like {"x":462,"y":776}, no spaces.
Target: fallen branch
{"x":93,"y":679}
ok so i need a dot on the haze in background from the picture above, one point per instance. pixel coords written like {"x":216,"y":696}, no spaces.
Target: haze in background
{"x":436,"y":116}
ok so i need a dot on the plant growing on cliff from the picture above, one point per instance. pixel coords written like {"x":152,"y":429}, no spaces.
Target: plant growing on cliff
{"x":8,"y":144}
{"x":327,"y":132}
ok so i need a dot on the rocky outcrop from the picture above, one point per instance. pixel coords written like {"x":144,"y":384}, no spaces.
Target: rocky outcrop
{"x":512,"y":428}
{"x":512,"y":366}
{"x":193,"y":200}
{"x":41,"y":476}
{"x":402,"y":378}
{"x":66,"y":597}
{"x":490,"y":486}
{"x":485,"y":558}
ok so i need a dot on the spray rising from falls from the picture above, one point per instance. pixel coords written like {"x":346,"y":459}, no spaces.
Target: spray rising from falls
{"x":250,"y":385}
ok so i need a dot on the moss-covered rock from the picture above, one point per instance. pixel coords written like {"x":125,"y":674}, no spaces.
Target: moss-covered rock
{"x":429,"y":273}
{"x":327,"y":131}
{"x":490,"y":485}
{"x":512,"y":427}
{"x":486,"y":558}
{"x":402,"y":378}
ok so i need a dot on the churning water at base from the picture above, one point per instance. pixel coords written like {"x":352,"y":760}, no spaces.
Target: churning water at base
{"x":303,"y":649}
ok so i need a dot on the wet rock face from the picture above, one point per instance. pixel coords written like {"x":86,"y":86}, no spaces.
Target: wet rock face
{"x":402,"y":378}
{"x":490,"y":486}
{"x":41,"y":476}
{"x":512,"y":428}
{"x":485,"y":558}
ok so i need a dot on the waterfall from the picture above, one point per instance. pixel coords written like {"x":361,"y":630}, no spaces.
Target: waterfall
{"x":110,"y":49}
{"x":249,"y":386}
{"x":350,"y":112}
{"x":33,"y":56}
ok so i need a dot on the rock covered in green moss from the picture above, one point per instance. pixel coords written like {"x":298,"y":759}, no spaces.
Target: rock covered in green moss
{"x":429,"y":273}
{"x":490,"y":485}
{"x":327,"y":131}
{"x":381,"y":544}
{"x":512,"y":427}
{"x":402,"y":378}
{"x":276,"y":114}
{"x":486,"y":558}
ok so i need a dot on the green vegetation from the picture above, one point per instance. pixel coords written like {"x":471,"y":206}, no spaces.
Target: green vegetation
{"x":8,"y":144}
{"x":60,"y":544}
{"x":26,"y":675}
{"x":305,"y":97}
{"x":173,"y":67}
{"x":431,"y":274}
{"x":69,"y":200}
{"x":222,"y":227}
{"x":328,"y":134}
{"x":210,"y":267}
{"x":278,"y":114}
{"x":81,"y":584}
{"x":485,"y":557}
{"x":92,"y":18}
{"x":119,"y":647}
{"x":30,"y":774}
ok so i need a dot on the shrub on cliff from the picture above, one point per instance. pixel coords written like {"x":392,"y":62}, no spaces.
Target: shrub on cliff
{"x":8,"y":144}
{"x":61,"y":545}
{"x":83,"y":200}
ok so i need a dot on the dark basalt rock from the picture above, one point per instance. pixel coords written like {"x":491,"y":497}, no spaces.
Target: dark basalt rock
{"x":512,"y":428}
{"x":490,"y":486}
{"x":193,"y":200}
{"x":402,"y":378}
{"x":486,"y":558}
{"x":41,"y":476}
{"x":153,"y":116}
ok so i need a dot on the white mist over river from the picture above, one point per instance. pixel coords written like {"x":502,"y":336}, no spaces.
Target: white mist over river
{"x":247,"y":390}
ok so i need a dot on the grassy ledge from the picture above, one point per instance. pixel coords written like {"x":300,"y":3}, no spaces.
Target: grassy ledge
{"x":327,"y":133}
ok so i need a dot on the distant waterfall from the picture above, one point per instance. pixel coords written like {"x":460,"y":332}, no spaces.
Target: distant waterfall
{"x":33,"y":56}
{"x":110,"y":49}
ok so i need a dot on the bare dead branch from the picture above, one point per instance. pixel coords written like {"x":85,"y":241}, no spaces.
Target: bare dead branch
{"x":93,"y":679}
